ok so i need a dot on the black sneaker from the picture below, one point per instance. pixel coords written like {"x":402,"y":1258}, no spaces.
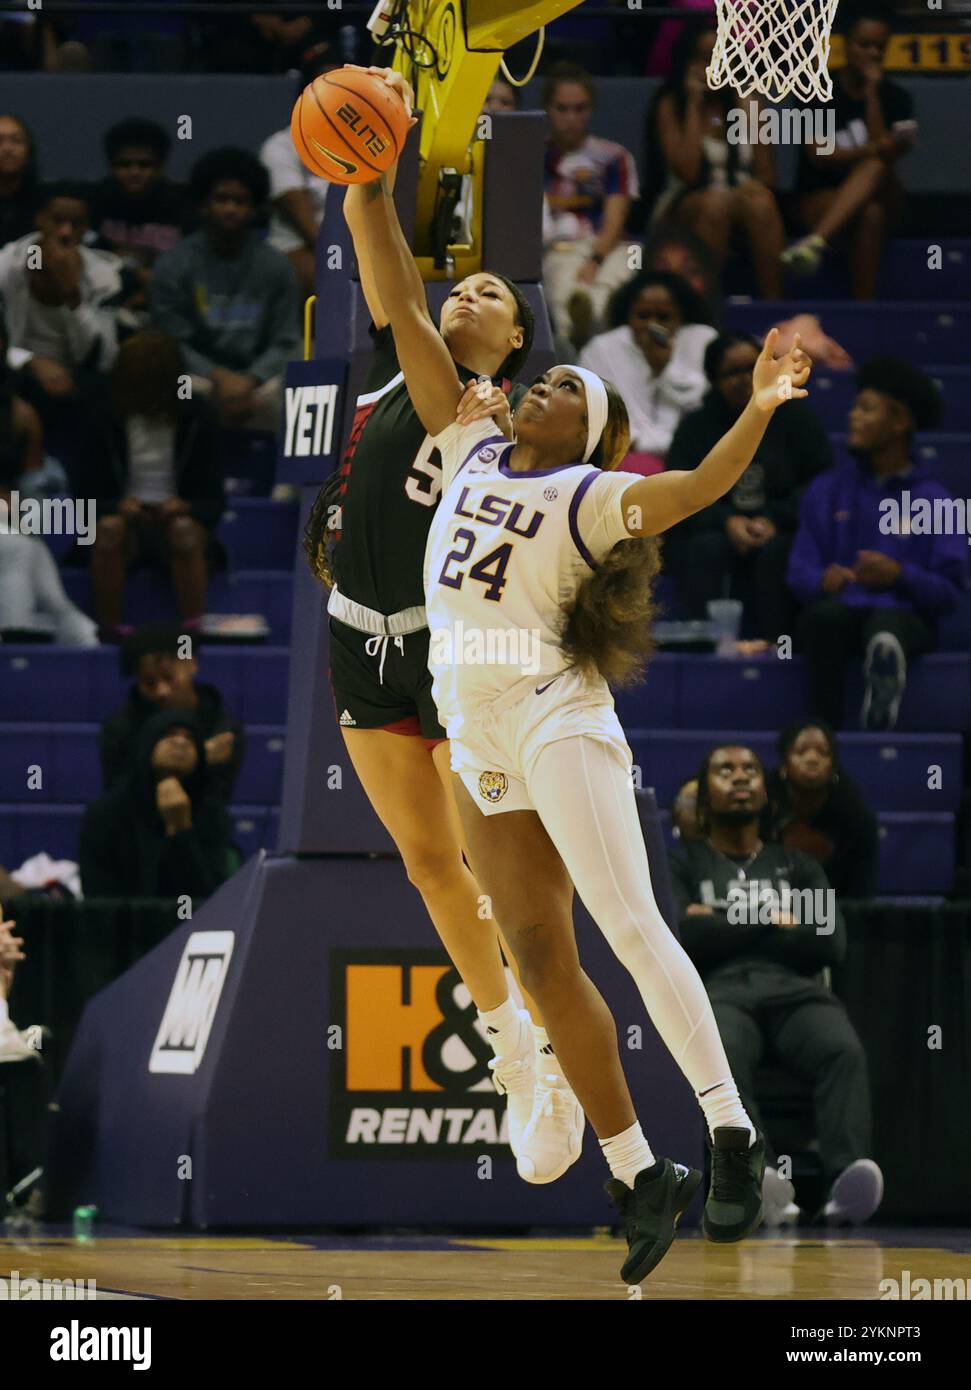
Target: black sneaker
{"x":651,"y":1210}
{"x":734,"y":1205}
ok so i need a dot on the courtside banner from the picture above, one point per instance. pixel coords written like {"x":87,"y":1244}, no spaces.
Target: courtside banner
{"x":311,"y":428}
{"x":412,"y":1079}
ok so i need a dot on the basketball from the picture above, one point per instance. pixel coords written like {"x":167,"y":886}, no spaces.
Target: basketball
{"x":348,"y":126}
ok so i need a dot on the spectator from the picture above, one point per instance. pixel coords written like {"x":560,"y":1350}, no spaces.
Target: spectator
{"x":229,"y":299}
{"x":32,"y":597}
{"x":873,"y":583}
{"x":589,"y":185}
{"x":759,"y":941}
{"x":654,"y":355}
{"x":161,"y":661}
{"x":21,"y":436}
{"x":18,"y":179}
{"x":853,"y":193}
{"x":740,"y":545}
{"x":61,"y":303}
{"x":716,"y":189}
{"x":298,"y":197}
{"x":501,"y":96}
{"x":160,"y":833}
{"x":684,"y":813}
{"x":270,"y":42}
{"x":151,"y":459}
{"x":819,"y":809}
{"x":136,"y":211}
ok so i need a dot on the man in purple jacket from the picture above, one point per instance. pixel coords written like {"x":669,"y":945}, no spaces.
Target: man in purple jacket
{"x":880,"y":551}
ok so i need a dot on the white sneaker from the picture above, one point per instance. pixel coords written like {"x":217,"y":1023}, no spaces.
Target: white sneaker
{"x":514,"y":1077}
{"x":554,"y":1136}
{"x":778,"y":1199}
{"x":855,"y":1195}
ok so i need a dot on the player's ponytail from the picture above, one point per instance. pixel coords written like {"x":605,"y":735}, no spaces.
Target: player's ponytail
{"x":322,"y":531}
{"x":607,"y":629}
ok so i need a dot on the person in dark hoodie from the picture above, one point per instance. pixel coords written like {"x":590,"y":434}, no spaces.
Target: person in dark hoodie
{"x":878,"y":557}
{"x":739,"y":546}
{"x":229,"y":298}
{"x":136,"y":211}
{"x":817,"y":808}
{"x":151,"y":459}
{"x":160,"y":659}
{"x":760,"y":922}
{"x":159,"y":833}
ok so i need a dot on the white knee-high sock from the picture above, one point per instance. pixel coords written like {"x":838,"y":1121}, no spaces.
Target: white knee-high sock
{"x":598,"y":835}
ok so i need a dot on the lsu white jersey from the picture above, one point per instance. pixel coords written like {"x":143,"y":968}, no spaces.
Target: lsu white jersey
{"x":506,"y":552}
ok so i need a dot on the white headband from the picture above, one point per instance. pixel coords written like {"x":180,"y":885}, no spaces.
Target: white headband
{"x":596,"y":406}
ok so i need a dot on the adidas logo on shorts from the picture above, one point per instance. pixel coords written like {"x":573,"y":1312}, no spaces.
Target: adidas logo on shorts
{"x":347,"y":718}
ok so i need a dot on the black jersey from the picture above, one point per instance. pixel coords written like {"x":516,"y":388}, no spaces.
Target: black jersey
{"x":391,"y":482}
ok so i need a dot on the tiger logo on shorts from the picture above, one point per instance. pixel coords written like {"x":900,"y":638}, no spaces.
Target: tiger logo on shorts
{"x":493,"y":785}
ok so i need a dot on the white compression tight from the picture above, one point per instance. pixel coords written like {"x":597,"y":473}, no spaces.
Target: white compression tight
{"x":598,"y":836}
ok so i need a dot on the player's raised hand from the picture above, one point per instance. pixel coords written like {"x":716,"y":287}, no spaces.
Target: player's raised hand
{"x":482,"y":400}
{"x":395,"y":80}
{"x":775,"y":380}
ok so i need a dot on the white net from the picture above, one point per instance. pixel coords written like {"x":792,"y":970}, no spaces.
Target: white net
{"x":773,"y":47}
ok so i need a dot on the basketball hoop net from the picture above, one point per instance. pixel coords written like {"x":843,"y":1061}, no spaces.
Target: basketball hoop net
{"x":773,"y":47}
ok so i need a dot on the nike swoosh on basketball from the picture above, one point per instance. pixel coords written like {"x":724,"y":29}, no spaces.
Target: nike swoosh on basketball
{"x":344,"y":163}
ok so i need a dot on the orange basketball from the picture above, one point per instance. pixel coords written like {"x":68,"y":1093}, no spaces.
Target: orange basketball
{"x":348,"y":127}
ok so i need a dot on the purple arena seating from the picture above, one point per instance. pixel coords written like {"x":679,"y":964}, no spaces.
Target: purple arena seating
{"x":766,"y":693}
{"x":833,"y":393}
{"x":149,"y":598}
{"x":931,"y":333}
{"x":259,"y":534}
{"x":892,"y":770}
{"x":253,"y":681}
{"x":916,"y":853}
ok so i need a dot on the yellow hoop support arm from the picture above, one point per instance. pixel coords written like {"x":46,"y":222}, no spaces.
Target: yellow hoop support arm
{"x":469,"y":38}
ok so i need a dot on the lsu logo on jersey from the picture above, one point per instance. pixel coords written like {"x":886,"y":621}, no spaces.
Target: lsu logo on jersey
{"x":493,"y":786}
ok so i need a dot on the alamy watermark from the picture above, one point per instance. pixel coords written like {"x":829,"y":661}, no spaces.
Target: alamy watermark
{"x":906,"y":1288}
{"x":782,"y":125}
{"x":486,"y":646}
{"x":53,"y":516}
{"x":924,"y":516}
{"x":16,"y":1289}
{"x":752,"y":903}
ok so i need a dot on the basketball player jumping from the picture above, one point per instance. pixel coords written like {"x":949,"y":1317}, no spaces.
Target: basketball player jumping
{"x":386,"y":491}
{"x":542,"y":536}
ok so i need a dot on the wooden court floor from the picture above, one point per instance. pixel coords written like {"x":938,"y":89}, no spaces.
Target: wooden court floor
{"x":791,"y":1265}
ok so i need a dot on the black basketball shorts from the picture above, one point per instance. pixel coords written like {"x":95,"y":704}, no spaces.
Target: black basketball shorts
{"x":383,"y":682}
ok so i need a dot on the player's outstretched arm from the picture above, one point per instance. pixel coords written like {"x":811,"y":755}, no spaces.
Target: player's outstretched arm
{"x":430,"y":374}
{"x":353,"y":216}
{"x":657,"y":503}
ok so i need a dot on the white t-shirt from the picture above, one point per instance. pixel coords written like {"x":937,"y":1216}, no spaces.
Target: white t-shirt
{"x":151,"y":458}
{"x":655,"y":404}
{"x":287,"y":172}
{"x":506,"y":552}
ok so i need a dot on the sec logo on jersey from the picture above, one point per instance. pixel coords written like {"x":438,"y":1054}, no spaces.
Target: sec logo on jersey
{"x":493,"y":786}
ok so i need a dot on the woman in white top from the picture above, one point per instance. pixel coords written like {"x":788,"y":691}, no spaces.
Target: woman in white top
{"x":654,"y":354}
{"x":538,"y":572}
{"x":717,"y":189}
